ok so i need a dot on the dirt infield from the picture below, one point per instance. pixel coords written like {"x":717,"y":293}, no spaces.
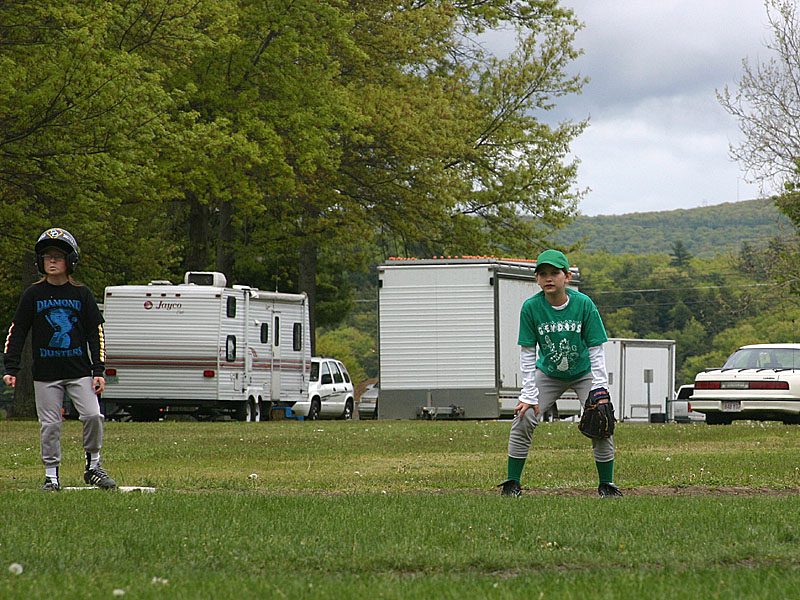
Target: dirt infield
{"x":694,"y":490}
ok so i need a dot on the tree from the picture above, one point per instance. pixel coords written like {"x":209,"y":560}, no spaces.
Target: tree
{"x":767,"y":102}
{"x":84,"y":120}
{"x":766,"y":105}
{"x":680,"y":256}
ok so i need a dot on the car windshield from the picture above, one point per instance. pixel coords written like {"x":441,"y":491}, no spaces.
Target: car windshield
{"x":764,"y":358}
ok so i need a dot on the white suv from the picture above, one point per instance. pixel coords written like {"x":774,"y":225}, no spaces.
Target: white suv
{"x":330,"y":391}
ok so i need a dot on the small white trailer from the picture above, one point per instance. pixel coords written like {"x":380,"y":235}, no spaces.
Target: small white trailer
{"x":447,"y":334}
{"x":205,"y":349}
{"x":641,"y":378}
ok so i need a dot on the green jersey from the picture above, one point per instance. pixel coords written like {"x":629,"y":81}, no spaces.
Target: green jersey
{"x":563,"y":336}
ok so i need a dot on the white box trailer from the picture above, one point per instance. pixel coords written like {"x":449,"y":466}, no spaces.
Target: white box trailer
{"x":204,"y":348}
{"x":641,"y":378}
{"x":447,"y":335}
{"x":448,"y":330}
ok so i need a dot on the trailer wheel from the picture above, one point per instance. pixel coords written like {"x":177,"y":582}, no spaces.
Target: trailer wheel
{"x":313,"y":410}
{"x":255,"y":410}
{"x":347,"y":414}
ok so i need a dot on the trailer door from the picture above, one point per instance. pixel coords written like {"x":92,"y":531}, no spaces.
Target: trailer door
{"x":275,"y":369}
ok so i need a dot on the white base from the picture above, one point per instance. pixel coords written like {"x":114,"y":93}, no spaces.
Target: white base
{"x":121,"y":488}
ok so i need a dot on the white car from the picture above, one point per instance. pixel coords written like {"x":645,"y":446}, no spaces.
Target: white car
{"x":368,"y":402}
{"x":759,"y":382}
{"x":330,"y":391}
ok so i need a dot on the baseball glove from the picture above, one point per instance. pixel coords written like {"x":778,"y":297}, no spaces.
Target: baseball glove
{"x":597,"y":420}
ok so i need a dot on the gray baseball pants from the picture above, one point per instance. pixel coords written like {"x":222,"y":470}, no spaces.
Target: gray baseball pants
{"x":49,"y":402}
{"x":550,"y":388}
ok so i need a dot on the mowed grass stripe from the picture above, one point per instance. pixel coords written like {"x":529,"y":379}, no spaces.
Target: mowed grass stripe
{"x":396,"y":456}
{"x":197,"y":542}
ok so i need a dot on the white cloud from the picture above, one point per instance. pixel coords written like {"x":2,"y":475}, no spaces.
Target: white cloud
{"x":658,"y":138}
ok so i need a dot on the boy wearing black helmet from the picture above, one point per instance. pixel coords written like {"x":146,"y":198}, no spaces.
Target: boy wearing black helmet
{"x":68,"y":354}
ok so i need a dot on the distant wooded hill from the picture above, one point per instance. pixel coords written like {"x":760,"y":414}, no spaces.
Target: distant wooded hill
{"x":704,"y":231}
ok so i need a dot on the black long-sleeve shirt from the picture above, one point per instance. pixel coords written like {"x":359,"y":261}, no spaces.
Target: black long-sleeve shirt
{"x":67,"y":333}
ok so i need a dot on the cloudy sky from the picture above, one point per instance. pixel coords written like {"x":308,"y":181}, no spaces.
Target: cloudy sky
{"x":658,"y":138}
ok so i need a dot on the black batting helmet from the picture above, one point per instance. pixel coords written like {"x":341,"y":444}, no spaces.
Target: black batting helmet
{"x":62,"y":239}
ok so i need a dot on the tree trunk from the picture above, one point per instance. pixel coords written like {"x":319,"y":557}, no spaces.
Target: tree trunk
{"x":307,"y":282}
{"x":225,"y":240}
{"x":24,"y":403}
{"x":197,"y":244}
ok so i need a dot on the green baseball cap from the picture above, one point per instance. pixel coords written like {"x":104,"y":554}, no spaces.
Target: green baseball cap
{"x":552,"y":257}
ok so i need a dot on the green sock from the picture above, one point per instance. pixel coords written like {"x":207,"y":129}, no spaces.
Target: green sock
{"x":515,"y":466}
{"x":605,"y":470}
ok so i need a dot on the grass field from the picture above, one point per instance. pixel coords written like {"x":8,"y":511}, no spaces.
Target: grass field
{"x":393,"y":509}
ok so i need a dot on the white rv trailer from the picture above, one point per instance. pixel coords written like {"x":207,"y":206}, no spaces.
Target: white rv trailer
{"x":447,"y":332}
{"x":204,"y":348}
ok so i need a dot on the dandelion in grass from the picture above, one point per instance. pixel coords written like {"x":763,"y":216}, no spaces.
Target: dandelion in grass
{"x":118,"y":592}
{"x":253,"y":476}
{"x":15,"y":568}
{"x":161,"y":580}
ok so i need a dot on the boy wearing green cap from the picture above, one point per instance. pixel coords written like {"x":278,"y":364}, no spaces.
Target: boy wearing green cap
{"x":567,"y":329}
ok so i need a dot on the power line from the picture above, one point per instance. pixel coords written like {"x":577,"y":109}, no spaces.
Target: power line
{"x":704,"y":287}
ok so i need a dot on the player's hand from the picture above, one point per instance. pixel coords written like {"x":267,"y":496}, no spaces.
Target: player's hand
{"x":99,"y":385}
{"x":10,"y":380}
{"x":522,"y":407}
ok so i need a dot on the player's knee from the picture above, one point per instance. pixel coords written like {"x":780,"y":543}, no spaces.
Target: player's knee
{"x":603,"y":453}
{"x":92,"y":419}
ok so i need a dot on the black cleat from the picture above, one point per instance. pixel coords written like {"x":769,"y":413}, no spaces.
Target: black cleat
{"x":100,"y":478}
{"x":51,"y":485}
{"x":609,"y":490}
{"x":511,"y":488}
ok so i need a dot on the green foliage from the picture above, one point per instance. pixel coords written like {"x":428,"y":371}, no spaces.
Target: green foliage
{"x":704,"y":232}
{"x":276,"y":141}
{"x":705,"y":305}
{"x":354,"y":348}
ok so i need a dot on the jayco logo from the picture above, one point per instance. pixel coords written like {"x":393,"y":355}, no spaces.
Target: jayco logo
{"x":162,"y":305}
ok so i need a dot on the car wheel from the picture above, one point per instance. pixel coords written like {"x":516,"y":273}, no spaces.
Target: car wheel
{"x":347,"y":414}
{"x":313,"y":410}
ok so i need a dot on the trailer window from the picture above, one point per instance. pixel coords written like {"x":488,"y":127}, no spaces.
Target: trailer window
{"x":297,"y":336}
{"x":231,"y":307}
{"x":277,"y":334}
{"x":230,"y":348}
{"x":265,"y":333}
